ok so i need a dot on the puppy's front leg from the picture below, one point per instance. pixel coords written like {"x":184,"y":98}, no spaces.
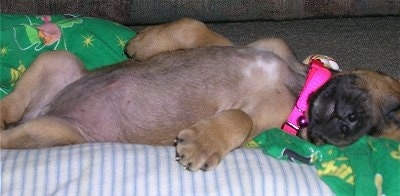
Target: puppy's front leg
{"x":181,"y":34}
{"x":204,"y":145}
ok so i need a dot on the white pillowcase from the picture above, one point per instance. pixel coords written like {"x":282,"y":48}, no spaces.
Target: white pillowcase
{"x":129,"y":169}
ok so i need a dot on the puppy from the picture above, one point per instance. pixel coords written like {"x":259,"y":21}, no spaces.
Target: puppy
{"x":210,"y":100}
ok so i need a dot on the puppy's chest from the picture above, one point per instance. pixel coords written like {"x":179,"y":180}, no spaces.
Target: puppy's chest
{"x":262,"y":77}
{"x":263,"y":70}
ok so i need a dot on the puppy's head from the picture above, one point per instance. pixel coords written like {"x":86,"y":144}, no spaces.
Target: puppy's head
{"x":352,"y":105}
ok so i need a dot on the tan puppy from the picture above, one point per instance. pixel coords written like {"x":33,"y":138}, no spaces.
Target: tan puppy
{"x":210,"y":99}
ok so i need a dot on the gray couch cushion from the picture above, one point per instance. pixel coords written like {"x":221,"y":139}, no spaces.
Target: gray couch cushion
{"x":130,"y":12}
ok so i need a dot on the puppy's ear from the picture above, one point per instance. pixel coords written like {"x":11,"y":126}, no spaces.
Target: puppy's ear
{"x":391,"y":109}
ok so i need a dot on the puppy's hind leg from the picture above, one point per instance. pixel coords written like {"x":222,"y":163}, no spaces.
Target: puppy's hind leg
{"x":41,"y":132}
{"x":47,"y":75}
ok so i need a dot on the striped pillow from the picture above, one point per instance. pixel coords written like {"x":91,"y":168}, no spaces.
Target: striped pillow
{"x":128,"y":169}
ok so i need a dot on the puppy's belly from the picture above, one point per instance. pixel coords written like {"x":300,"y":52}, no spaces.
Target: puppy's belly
{"x":115,"y":114}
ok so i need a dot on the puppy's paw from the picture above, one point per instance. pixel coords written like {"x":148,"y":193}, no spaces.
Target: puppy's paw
{"x":197,"y":150}
{"x":11,"y":111}
{"x":207,"y":142}
{"x":181,"y":34}
{"x":146,"y":44}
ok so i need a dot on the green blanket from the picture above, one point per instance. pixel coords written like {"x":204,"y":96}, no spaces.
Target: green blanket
{"x":95,"y":41}
{"x":370,"y":166}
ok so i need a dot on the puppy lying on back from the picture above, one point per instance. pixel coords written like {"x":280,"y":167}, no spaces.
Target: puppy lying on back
{"x":369,"y":100}
{"x":208,"y":100}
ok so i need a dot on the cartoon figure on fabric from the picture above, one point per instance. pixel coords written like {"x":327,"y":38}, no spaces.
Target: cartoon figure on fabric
{"x":49,"y":32}
{"x":41,"y":35}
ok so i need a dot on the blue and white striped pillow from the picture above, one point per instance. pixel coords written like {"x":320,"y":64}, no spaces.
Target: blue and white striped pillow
{"x":128,"y":169}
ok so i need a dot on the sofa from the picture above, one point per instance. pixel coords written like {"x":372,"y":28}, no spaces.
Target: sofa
{"x":356,"y":33}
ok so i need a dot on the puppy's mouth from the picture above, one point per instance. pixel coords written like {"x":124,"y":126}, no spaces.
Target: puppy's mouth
{"x":318,"y":140}
{"x":315,"y":138}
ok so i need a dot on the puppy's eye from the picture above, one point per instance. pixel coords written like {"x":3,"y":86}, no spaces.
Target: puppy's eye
{"x":352,"y":117}
{"x":344,"y":129}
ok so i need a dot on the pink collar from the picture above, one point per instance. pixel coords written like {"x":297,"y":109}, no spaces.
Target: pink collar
{"x":317,"y":76}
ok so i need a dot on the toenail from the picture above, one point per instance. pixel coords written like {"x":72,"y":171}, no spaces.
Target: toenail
{"x":204,"y":168}
{"x":178,"y":140}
